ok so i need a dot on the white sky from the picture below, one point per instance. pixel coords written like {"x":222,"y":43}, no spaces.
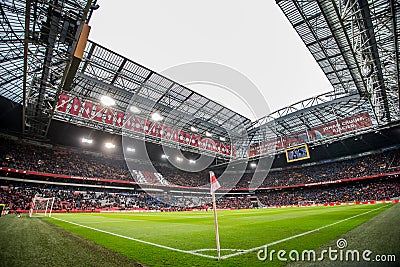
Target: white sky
{"x":253,"y":37}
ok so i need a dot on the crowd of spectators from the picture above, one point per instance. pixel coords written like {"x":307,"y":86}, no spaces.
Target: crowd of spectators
{"x":348,"y":192}
{"x":68,"y":199}
{"x":31,"y":157}
{"x":350,"y":168}
{"x":18,"y":197}
{"x":56,"y":160}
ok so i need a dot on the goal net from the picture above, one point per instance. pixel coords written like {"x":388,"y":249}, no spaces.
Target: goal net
{"x":43,"y":206}
{"x":306,"y":203}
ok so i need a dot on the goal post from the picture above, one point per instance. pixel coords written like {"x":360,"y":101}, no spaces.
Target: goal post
{"x":43,"y":206}
{"x":306,"y":203}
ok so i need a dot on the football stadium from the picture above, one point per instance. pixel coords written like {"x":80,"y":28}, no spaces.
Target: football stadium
{"x":107,"y":162}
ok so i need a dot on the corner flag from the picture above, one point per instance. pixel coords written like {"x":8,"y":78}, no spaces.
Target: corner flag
{"x":214,"y":187}
{"x":214,"y":183}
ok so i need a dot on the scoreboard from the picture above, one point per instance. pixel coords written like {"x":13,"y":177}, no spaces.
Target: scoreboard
{"x":297,"y":153}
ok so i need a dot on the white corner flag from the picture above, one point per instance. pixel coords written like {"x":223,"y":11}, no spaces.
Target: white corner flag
{"x":214,"y":187}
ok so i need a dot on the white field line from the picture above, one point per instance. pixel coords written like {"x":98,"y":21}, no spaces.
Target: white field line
{"x":295,"y":236}
{"x":138,"y":240}
{"x":214,"y":249}
{"x":110,"y":221}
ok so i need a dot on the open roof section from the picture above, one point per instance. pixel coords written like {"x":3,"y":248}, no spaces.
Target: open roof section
{"x":355,"y":42}
{"x":12,"y":50}
{"x":309,"y":114}
{"x":104,"y":72}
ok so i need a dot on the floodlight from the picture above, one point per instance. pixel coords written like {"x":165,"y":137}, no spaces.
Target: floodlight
{"x":208,"y":134}
{"x":156,"y":116}
{"x":135,"y":110}
{"x":107,"y":101}
{"x":253,"y":165}
{"x":223,"y":139}
{"x":130,"y":149}
{"x":86,"y":140}
{"x":109,"y":145}
{"x":193,"y":129}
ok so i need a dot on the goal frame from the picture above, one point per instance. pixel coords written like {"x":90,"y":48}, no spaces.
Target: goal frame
{"x":49,"y":205}
{"x":306,"y":203}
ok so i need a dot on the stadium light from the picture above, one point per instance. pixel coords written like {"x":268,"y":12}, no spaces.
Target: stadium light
{"x":163,"y":156}
{"x":223,"y":139}
{"x":130,"y":149}
{"x":253,"y":165}
{"x":156,"y":116}
{"x":208,"y":134}
{"x":109,"y":145}
{"x":86,"y":140}
{"x":107,"y":101}
{"x":191,"y":161}
{"x":179,"y":159}
{"x":193,"y":129}
{"x":135,"y":110}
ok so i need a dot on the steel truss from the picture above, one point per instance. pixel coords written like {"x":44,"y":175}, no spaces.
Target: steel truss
{"x":355,"y":42}
{"x":38,"y":42}
{"x":104,"y":72}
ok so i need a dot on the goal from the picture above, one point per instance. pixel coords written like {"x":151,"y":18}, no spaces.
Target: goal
{"x":306,"y":203}
{"x":43,"y":206}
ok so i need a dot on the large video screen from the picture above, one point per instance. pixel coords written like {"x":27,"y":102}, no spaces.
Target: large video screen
{"x":297,"y":153}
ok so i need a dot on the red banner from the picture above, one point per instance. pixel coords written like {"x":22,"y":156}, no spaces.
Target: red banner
{"x":119,"y":119}
{"x":138,"y":127}
{"x":75,"y":107}
{"x":161,"y":132}
{"x":146,"y":127}
{"x":168,"y":132}
{"x":344,"y":125}
{"x":87,"y":109}
{"x":153,"y":129}
{"x":98,"y":115}
{"x":97,"y":112}
{"x":128,"y":121}
{"x":109,"y":116}
{"x":63,"y":103}
{"x":349,"y":124}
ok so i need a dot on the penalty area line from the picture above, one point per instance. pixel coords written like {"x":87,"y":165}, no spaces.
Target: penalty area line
{"x":138,"y":240}
{"x":298,"y":235}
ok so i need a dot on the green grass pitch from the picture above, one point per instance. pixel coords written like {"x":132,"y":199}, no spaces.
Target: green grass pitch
{"x":188,"y":238}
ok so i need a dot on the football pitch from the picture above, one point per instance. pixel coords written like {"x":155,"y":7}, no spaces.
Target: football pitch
{"x":188,"y":238}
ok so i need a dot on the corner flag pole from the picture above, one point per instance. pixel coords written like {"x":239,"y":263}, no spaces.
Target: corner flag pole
{"x":214,"y":186}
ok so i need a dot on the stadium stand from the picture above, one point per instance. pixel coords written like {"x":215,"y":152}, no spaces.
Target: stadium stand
{"x":68,"y":198}
{"x":57,"y":160}
{"x":384,"y":189}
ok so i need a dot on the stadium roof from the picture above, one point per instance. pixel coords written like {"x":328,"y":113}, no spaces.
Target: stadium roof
{"x":308,"y":114}
{"x":104,"y":72}
{"x":354,"y":42}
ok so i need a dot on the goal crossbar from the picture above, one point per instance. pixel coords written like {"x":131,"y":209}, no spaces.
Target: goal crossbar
{"x":44,"y":204}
